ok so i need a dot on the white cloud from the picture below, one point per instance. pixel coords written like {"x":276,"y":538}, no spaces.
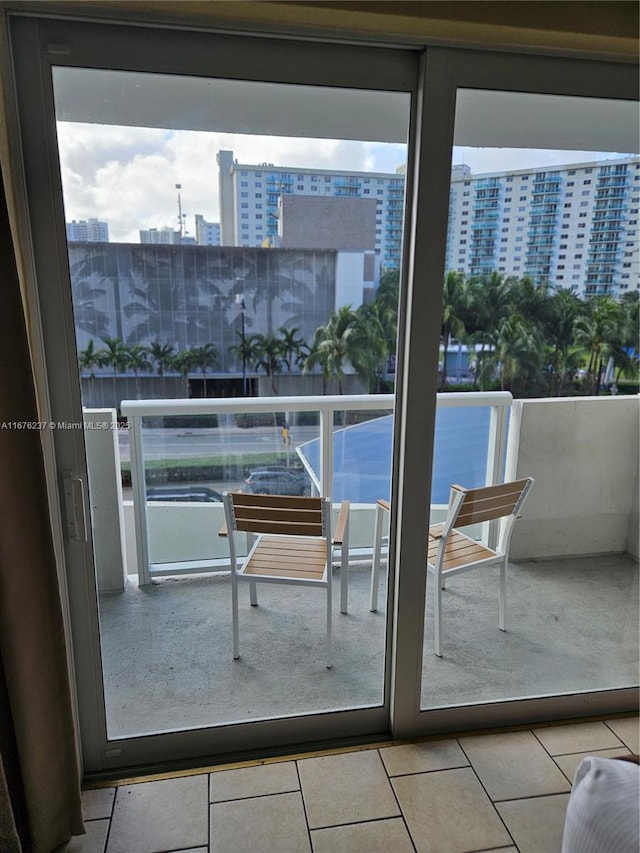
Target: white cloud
{"x":127,"y":176}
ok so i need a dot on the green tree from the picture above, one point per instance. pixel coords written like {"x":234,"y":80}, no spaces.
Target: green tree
{"x":369,"y":346}
{"x":183,"y":362}
{"x":138,"y":360}
{"x":596,"y":332}
{"x":454,"y":303}
{"x":89,"y":358}
{"x":162,"y":355}
{"x":334,"y":345}
{"x":114,"y":356}
{"x":563,"y":310}
{"x":294,"y":348}
{"x":204,"y":357}
{"x":269,"y":356}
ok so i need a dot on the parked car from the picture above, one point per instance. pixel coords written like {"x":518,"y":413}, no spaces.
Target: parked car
{"x":278,"y":481}
{"x":184,"y":494}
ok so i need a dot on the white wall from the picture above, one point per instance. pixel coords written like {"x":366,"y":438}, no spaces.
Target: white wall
{"x":583,"y":454}
{"x":350,"y":279}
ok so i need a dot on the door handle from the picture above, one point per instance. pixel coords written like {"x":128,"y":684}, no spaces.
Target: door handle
{"x":74,"y":505}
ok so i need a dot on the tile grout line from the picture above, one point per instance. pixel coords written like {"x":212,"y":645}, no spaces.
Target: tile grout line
{"x":395,"y":796}
{"x":304,"y":805}
{"x":500,"y":818}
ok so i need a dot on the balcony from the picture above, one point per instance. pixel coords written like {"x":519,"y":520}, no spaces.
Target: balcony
{"x":164,"y":584}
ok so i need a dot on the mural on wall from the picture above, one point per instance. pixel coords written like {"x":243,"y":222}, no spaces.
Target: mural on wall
{"x":189,"y":296}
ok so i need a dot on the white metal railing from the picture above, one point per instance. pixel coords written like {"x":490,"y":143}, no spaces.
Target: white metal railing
{"x":136,"y":410}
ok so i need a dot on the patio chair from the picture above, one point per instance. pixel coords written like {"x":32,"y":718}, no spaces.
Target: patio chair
{"x":293,"y":545}
{"x":451,"y":552}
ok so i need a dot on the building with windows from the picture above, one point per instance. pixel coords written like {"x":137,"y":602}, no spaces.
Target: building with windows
{"x":159,"y":236}
{"x":207,"y":233}
{"x":249,"y":199}
{"x":88,"y":231}
{"x":573,"y":226}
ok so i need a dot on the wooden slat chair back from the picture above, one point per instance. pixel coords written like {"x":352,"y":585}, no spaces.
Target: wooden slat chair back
{"x":292,"y":545}
{"x":450,"y":552}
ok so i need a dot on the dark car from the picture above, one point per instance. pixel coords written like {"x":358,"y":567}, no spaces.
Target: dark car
{"x":278,"y":481}
{"x":198,"y":494}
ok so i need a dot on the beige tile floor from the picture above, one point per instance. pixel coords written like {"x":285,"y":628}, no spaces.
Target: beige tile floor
{"x":490,"y":792}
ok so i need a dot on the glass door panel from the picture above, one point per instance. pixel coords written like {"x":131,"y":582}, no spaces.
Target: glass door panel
{"x":231,"y":250}
{"x":541,"y":291}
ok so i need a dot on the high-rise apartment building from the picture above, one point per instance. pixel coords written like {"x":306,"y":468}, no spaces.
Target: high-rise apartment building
{"x":159,"y":236}
{"x":573,"y":226}
{"x":88,"y":231}
{"x":207,"y":233}
{"x":249,"y":197}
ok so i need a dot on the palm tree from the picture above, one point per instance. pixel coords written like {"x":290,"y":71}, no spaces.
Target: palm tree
{"x":204,"y":357}
{"x":596,"y":332}
{"x":294,"y":348}
{"x":183,"y":362}
{"x":90,"y":358}
{"x":139,"y":360}
{"x":115,"y":356}
{"x":332,"y":345}
{"x":519,"y":352}
{"x":162,"y":355}
{"x":269,"y":355}
{"x":369,"y":346}
{"x":563,"y":309}
{"x":489,"y":300}
{"x":454,"y":302}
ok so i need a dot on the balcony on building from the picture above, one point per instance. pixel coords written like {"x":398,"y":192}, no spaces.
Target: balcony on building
{"x":574,"y":560}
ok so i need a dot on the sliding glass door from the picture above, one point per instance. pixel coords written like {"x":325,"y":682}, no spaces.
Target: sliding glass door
{"x":241,"y":246}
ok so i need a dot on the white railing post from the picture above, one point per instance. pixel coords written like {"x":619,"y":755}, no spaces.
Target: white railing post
{"x":139,"y":499}
{"x":326,"y":451}
{"x":495,"y":460}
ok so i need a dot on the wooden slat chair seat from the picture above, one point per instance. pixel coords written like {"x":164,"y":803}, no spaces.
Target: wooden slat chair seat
{"x":293,"y":545}
{"x":450,"y":552}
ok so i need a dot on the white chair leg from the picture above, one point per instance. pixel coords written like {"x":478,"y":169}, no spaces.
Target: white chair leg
{"x":329,"y":638}
{"x":437,"y":616}
{"x":375,"y":563}
{"x":253,"y":594}
{"x":502,"y":623}
{"x":234,"y":616}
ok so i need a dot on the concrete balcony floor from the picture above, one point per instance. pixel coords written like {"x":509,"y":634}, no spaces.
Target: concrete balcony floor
{"x":167,"y":655}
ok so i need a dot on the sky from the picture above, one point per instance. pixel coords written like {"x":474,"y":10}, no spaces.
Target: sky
{"x":127,"y":176}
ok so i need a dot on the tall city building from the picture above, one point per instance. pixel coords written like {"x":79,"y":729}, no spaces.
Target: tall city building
{"x":159,"y":236}
{"x":88,"y":231}
{"x":249,"y":198}
{"x":207,"y":233}
{"x":572,"y":226}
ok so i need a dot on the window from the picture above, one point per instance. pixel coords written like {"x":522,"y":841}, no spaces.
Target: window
{"x":244,"y":216}
{"x":245,"y":204}
{"x":570,"y":183}
{"x":244,"y":195}
{"x":523,"y":198}
{"x":300,"y":186}
{"x":258,"y":195}
{"x":258,"y":206}
{"x":244,"y":183}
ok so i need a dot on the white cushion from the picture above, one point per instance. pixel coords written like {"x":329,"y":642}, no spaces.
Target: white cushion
{"x":603,"y":813}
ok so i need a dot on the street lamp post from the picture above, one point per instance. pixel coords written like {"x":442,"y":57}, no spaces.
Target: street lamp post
{"x":241,"y":303}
